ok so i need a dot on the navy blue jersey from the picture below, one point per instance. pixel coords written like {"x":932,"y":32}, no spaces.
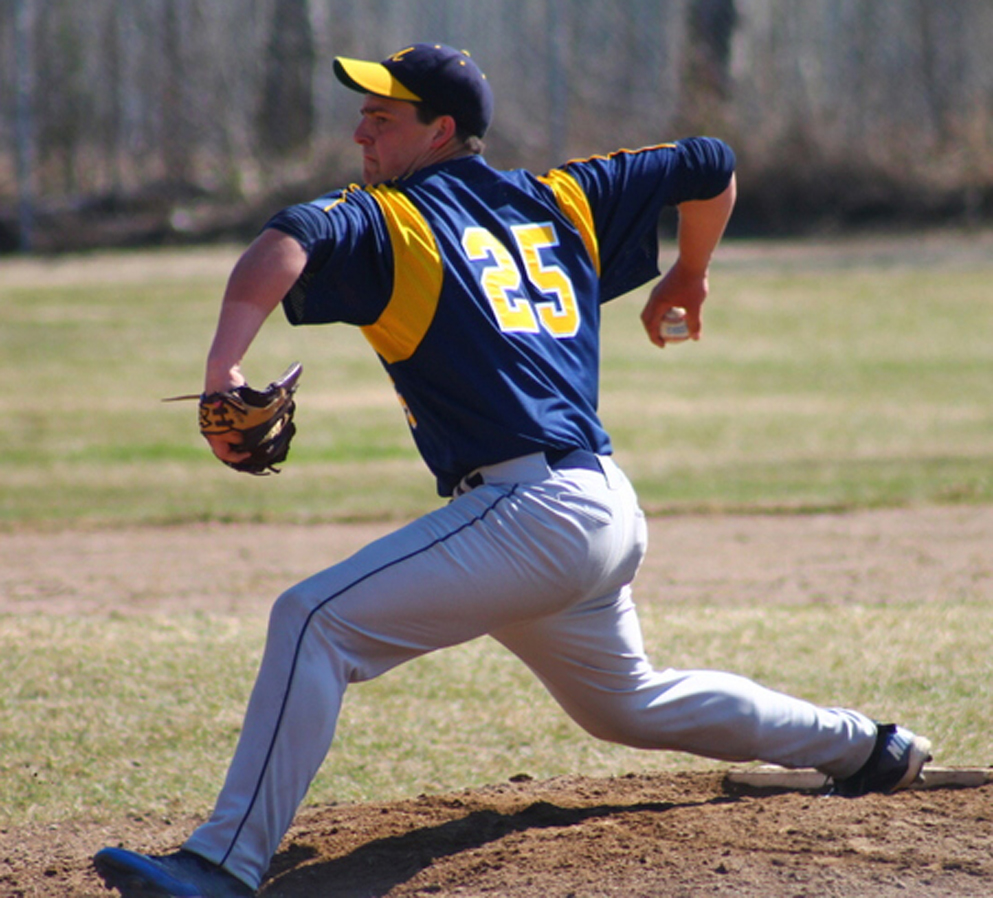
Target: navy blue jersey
{"x":480,"y":290}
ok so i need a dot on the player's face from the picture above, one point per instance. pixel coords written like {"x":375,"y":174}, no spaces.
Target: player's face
{"x":394,"y":142}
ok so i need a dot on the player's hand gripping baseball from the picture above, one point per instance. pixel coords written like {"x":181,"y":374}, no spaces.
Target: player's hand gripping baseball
{"x":680,"y":288}
{"x":701,"y":226}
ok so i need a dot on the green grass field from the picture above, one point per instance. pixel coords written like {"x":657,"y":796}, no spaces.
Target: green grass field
{"x":831,"y":377}
{"x":835,"y":384}
{"x":140,"y":716}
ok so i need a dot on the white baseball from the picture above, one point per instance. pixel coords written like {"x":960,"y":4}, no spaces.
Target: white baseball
{"x":673,"y":328}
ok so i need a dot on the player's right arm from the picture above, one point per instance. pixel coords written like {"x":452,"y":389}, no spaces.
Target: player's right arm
{"x":701,"y":226}
{"x":259,"y":280}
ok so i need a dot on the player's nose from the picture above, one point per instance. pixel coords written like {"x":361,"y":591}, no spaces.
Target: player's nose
{"x":361,"y":134}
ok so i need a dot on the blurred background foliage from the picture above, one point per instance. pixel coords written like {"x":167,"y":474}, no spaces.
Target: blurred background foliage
{"x":136,"y":122}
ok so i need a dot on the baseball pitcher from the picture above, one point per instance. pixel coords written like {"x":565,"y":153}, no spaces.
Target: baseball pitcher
{"x":481,"y":293}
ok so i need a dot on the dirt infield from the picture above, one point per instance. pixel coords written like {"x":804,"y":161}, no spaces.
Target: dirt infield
{"x":639,"y":836}
{"x":645,"y":835}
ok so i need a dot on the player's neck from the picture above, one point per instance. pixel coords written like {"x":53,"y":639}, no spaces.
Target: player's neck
{"x":453,"y":149}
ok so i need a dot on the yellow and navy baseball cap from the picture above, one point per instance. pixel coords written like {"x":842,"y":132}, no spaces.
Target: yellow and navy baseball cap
{"x":444,"y":78}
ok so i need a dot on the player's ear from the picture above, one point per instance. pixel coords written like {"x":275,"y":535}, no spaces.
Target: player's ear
{"x":444,"y":130}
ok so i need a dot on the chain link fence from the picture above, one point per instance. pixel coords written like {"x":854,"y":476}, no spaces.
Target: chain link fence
{"x":179,"y":119}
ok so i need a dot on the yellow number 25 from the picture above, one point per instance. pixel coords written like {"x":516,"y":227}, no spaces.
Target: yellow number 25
{"x":501,"y":281}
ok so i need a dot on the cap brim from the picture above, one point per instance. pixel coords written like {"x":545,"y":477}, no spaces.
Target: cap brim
{"x":371,"y":78}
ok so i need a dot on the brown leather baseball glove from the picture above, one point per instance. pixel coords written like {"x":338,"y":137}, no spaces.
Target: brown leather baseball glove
{"x":262,"y":418}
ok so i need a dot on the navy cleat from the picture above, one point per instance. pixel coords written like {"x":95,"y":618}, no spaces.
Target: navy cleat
{"x":895,"y":763}
{"x":179,"y":875}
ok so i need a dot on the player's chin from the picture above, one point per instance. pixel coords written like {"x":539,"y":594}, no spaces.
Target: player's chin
{"x":371,"y":174}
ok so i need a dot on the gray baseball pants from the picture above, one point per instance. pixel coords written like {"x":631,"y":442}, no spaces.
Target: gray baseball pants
{"x":541,"y":559}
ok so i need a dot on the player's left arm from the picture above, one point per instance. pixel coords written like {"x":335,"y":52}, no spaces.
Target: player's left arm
{"x":701,"y":226}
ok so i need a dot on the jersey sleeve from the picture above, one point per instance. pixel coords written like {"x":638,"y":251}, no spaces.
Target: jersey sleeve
{"x":349,"y":272}
{"x":628,"y":190}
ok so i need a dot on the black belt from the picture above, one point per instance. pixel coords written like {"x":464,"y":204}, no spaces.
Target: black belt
{"x":557,"y":459}
{"x":573,"y":458}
